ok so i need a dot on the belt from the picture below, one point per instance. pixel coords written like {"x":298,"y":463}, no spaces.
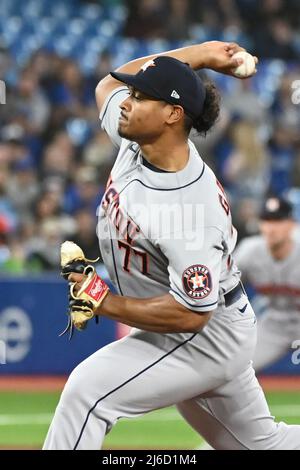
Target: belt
{"x":234,"y":294}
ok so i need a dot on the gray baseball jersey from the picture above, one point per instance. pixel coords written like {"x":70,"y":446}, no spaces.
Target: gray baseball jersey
{"x":279,"y":282}
{"x":164,"y":232}
{"x":151,"y":250}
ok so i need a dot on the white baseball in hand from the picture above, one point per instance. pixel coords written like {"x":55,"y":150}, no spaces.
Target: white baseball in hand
{"x":247,"y":68}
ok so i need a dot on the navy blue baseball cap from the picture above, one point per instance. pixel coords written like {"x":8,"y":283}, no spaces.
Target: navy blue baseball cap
{"x":170,"y":80}
{"x":276,"y":208}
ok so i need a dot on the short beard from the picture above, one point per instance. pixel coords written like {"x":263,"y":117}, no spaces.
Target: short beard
{"x":124,"y":135}
{"x":139,"y":139}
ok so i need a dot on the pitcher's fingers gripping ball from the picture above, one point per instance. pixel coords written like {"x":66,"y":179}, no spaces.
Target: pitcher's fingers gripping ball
{"x":248,"y":67}
{"x":85,"y":296}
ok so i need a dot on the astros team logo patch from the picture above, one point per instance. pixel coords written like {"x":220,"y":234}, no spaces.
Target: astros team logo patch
{"x":197,"y":281}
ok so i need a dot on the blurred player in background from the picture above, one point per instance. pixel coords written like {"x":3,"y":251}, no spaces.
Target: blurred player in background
{"x":270,"y":262}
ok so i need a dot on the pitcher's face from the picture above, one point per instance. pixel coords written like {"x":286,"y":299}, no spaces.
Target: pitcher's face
{"x":142,"y":118}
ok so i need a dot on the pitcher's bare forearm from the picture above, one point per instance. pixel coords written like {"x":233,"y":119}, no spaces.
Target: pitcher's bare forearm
{"x":198,"y":56}
{"x":215,"y":55}
{"x":161,"y":314}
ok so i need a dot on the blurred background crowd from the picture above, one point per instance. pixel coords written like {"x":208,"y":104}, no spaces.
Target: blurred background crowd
{"x":54,"y":157}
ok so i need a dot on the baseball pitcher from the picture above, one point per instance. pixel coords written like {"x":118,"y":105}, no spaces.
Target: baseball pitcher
{"x":166,"y":239}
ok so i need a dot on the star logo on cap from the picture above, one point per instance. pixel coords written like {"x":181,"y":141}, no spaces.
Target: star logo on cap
{"x":272,"y":204}
{"x":149,"y":63}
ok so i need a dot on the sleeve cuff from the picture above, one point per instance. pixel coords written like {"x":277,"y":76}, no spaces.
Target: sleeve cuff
{"x":205,"y":307}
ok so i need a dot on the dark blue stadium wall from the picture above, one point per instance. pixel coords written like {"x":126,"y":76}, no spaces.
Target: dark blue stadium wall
{"x":32,"y":314}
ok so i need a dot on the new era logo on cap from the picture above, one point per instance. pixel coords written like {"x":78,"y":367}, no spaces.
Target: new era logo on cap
{"x":174,"y":94}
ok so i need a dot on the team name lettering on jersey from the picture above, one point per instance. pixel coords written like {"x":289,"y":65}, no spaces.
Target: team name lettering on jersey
{"x":125,"y":226}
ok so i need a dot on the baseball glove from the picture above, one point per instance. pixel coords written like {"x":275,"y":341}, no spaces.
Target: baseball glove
{"x":84,"y":297}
